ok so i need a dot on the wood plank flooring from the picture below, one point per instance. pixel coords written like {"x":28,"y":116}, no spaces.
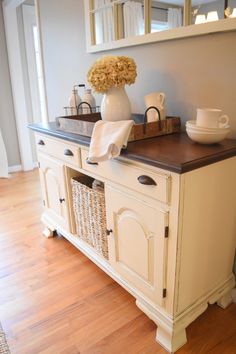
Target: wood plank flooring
{"x":53,"y":300}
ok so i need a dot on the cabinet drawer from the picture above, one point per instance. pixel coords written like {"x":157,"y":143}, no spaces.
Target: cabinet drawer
{"x":131,"y":177}
{"x":60,"y":149}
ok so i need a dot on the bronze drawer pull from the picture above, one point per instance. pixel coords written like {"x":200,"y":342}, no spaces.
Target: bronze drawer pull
{"x":109,"y":232}
{"x":68,"y":152}
{"x":91,"y":163}
{"x":41,"y":142}
{"x":146,"y":180}
{"x":61,"y":200}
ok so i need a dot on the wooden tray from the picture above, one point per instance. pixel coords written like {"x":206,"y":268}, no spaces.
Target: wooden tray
{"x":83,"y":125}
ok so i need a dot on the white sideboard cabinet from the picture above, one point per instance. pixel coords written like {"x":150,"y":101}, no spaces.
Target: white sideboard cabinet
{"x":171,"y":223}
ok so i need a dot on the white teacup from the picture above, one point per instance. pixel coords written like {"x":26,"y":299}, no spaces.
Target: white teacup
{"x":211,"y":118}
{"x":156,"y":99}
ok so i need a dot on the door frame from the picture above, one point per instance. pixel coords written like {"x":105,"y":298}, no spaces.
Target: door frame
{"x":29,"y":21}
{"x":17,"y":78}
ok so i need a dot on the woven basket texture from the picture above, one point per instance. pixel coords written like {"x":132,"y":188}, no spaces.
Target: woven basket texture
{"x":4,"y":349}
{"x":90,"y":214}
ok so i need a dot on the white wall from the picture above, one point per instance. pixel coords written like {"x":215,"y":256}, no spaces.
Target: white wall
{"x":7,"y":117}
{"x":193,"y":72}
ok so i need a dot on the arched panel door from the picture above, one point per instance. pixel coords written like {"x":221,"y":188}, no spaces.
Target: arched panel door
{"x":53,"y":190}
{"x":137,"y":244}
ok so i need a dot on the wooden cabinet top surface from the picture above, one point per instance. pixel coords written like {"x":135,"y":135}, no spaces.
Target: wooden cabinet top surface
{"x":175,"y":152}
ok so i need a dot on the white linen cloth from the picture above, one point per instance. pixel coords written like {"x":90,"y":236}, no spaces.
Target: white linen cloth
{"x":174,"y":18}
{"x":103,"y":21}
{"x":133,"y":18}
{"x":108,"y":138}
{"x":3,"y":159}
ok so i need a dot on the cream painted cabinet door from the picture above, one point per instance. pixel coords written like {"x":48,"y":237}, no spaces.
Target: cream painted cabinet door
{"x":137,"y":242}
{"x":53,"y":189}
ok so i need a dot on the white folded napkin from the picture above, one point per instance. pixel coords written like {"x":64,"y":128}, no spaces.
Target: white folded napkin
{"x":108,"y":138}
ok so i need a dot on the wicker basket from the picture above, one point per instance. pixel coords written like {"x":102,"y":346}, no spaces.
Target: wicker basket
{"x":90,"y":214}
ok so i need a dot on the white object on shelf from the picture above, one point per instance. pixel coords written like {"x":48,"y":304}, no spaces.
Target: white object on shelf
{"x":193,"y":124}
{"x":74,"y":101}
{"x":3,"y":159}
{"x":115,"y":105}
{"x":211,"y":118}
{"x":207,"y":137}
{"x":155,"y":99}
{"x":233,"y":13}
{"x":212,"y":16}
{"x":200,"y":19}
{"x":90,"y":99}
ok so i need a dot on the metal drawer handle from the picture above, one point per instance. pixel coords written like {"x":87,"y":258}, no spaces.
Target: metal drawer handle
{"x":68,"y":152}
{"x":146,"y":180}
{"x":61,"y":200}
{"x":41,"y":142}
{"x":91,"y":163}
{"x":109,"y":232}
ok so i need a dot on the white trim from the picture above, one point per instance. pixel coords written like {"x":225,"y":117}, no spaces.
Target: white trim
{"x":15,"y":168}
{"x":29,"y":21}
{"x":176,"y":33}
{"x":17,"y":81}
{"x":45,"y":118}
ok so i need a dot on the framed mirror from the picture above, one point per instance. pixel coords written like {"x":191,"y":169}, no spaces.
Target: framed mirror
{"x":121,"y":23}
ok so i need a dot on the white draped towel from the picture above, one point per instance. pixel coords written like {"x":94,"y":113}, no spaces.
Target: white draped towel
{"x":108,"y":138}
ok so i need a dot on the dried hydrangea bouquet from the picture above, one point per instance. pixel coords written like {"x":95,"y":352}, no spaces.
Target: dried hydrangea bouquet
{"x":109,"y":75}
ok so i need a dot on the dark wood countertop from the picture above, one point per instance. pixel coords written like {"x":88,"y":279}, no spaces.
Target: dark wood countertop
{"x":175,"y":152}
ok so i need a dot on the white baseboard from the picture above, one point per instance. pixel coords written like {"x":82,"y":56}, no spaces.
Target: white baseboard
{"x":18,"y":168}
{"x":15,"y":168}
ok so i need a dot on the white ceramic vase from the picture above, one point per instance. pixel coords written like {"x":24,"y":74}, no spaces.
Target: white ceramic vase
{"x":115,"y":105}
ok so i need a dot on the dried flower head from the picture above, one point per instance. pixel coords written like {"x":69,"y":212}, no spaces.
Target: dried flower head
{"x":111,"y":71}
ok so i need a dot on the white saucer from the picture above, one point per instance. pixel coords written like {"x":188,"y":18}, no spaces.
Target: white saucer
{"x":192,"y":124}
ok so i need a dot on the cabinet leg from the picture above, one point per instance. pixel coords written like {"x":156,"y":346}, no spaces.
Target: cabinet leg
{"x":169,"y":335}
{"x":48,"y":232}
{"x":225,"y":300}
{"x":171,"y":341}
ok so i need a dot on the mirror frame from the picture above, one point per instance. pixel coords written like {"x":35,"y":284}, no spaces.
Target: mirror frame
{"x":224,"y":25}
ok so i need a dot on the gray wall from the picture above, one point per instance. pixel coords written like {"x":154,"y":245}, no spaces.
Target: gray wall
{"x":7,"y":117}
{"x":193,"y":72}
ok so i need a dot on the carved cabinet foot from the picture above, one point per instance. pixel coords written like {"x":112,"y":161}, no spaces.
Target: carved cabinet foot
{"x":169,"y":335}
{"x":171,"y":341}
{"x":48,"y":232}
{"x":225,"y":300}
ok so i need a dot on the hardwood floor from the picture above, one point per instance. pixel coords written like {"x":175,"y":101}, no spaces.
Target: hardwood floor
{"x":53,"y":300}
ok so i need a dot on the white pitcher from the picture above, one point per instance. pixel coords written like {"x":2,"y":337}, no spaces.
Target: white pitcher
{"x":156,"y":99}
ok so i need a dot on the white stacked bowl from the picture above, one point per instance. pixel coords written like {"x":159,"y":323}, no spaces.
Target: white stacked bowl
{"x":205,"y":135}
